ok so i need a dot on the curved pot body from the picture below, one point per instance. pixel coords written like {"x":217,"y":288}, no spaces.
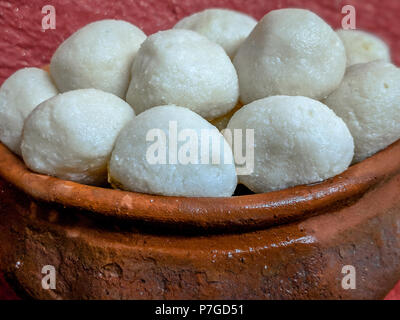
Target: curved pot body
{"x":96,"y":256}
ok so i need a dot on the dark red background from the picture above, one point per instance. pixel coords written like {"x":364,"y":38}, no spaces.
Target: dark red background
{"x":23,"y":43}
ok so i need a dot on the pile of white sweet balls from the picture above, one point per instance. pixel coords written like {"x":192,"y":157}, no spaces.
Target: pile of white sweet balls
{"x":317,"y":100}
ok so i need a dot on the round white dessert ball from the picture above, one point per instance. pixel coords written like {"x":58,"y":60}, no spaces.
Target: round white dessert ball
{"x":228,"y":28}
{"x":19,"y":95}
{"x":184,"y":68}
{"x":290,"y":52}
{"x":71,"y":135}
{"x":368,"y":100}
{"x":297,"y":140}
{"x":97,"y":56}
{"x":146,"y":159}
{"x":363,"y":47}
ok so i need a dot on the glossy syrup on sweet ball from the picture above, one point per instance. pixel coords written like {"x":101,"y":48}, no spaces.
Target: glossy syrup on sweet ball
{"x":368,"y":100}
{"x":226,"y":27}
{"x":19,"y":95}
{"x":167,"y":150}
{"x":363,"y":47}
{"x":297,"y":140}
{"x":290,"y":52}
{"x":71,"y":135}
{"x":97,"y":56}
{"x":184,"y":68}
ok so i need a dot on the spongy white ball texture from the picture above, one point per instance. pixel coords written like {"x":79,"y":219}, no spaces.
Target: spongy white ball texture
{"x":362,"y":47}
{"x":19,"y":95}
{"x":297,"y":140}
{"x":290,"y":52}
{"x":97,"y":56}
{"x":228,"y":28}
{"x":143,"y":161}
{"x":368,"y":100}
{"x":71,"y":135}
{"x":184,"y":68}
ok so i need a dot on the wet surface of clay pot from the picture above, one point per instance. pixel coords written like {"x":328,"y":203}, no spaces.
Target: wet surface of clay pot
{"x":289,"y":244}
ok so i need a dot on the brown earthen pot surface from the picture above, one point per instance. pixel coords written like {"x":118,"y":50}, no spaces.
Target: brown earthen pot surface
{"x":289,"y":244}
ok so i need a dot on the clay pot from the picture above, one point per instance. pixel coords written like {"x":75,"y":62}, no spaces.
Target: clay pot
{"x":290,"y":244}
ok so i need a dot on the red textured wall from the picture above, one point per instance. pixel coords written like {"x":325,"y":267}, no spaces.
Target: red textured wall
{"x":23,"y":43}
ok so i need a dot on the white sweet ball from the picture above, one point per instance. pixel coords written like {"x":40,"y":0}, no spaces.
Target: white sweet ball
{"x":297,"y":140}
{"x":290,"y":52}
{"x":362,"y":47}
{"x":71,"y":135}
{"x":228,"y":28}
{"x":184,"y":68}
{"x":19,"y":95}
{"x":368,"y":100}
{"x":135,"y":165}
{"x":97,"y":56}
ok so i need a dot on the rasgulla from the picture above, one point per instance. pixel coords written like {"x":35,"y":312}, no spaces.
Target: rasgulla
{"x":19,"y":95}
{"x":297,"y":140}
{"x":184,"y":68}
{"x":228,"y":28}
{"x":71,"y":135}
{"x":97,"y":56}
{"x":290,"y":52}
{"x":362,"y":47}
{"x":368,"y":100}
{"x":167,"y":150}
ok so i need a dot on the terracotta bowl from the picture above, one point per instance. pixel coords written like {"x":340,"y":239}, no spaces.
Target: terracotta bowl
{"x":290,"y":244}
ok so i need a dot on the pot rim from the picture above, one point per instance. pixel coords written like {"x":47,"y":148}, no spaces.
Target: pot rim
{"x":245,"y":212}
